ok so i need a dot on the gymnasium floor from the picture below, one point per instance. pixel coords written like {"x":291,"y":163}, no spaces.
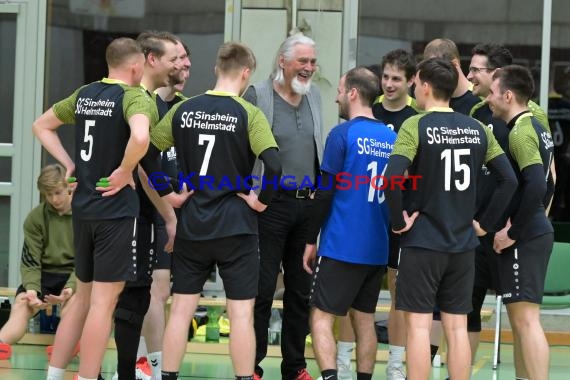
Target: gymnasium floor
{"x":28,"y":362}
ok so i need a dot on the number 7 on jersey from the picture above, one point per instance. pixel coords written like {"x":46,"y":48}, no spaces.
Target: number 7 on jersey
{"x":210,"y":140}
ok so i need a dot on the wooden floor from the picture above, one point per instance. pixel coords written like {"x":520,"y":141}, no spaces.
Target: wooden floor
{"x":29,"y":362}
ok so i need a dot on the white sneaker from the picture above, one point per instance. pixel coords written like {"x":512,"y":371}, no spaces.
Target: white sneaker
{"x":143,"y":370}
{"x":344,"y":370}
{"x":395,"y":373}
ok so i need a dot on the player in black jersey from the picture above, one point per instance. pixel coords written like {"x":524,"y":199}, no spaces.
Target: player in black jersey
{"x":525,"y":243}
{"x":462,"y":99}
{"x":217,"y":136}
{"x":161,"y":61}
{"x":155,"y":318}
{"x":436,"y":264}
{"x":559,"y":118}
{"x":486,"y":60}
{"x":112,"y":121}
{"x":395,"y":104}
{"x":393,"y":107}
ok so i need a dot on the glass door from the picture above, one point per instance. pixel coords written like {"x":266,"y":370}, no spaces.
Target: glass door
{"x":21,"y":94}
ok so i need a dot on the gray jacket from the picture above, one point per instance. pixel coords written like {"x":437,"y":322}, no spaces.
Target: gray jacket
{"x":264,"y":94}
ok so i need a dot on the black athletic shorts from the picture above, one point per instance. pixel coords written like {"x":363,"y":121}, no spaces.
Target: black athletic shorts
{"x":146,"y":255}
{"x":393,"y":249}
{"x":105,"y":250}
{"x":522,"y":269}
{"x":339,"y":286}
{"x":428,"y":278}
{"x":163,"y":259}
{"x":51,"y":284}
{"x":237,"y":258}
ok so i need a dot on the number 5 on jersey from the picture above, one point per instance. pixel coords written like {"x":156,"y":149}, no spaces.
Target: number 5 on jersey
{"x":87,"y":138}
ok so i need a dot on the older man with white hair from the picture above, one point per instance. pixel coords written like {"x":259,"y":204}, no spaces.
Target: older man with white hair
{"x":292,"y":104}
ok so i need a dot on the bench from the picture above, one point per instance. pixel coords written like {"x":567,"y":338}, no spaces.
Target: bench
{"x":223,"y":347}
{"x":7,"y":292}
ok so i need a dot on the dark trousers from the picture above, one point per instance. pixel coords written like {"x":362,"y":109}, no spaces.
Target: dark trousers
{"x":131,"y":308}
{"x":282,"y":238}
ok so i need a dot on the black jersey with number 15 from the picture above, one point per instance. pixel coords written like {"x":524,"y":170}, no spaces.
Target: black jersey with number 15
{"x":447,"y":150}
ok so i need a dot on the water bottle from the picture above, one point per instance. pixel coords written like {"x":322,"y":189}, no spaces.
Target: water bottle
{"x":213,"y":326}
{"x":34,"y":324}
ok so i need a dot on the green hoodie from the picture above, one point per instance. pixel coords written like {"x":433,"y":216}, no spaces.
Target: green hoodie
{"x":48,"y":246}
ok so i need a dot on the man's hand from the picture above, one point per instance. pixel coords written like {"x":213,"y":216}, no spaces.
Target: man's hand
{"x":409,"y":221}
{"x":176,"y":200}
{"x":252,"y":201}
{"x":502,"y":239}
{"x":309,"y":257}
{"x":71,"y":180}
{"x":111,"y":185}
{"x":33,"y":300}
{"x":171,"y":233}
{"x":66,"y":294}
{"x":478,"y":230}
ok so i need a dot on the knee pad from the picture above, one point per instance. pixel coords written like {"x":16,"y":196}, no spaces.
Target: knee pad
{"x":133,"y":305}
{"x":128,"y":316}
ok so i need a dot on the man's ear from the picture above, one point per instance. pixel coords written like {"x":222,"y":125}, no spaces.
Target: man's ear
{"x":509,"y":96}
{"x":425,"y":88}
{"x":151,"y":59}
{"x":352,"y":93}
{"x":245,"y":73}
{"x":455,"y":62}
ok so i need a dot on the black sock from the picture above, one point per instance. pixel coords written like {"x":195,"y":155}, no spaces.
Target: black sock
{"x":169,"y":375}
{"x":433,"y":350}
{"x":244,"y":377}
{"x":329,"y":374}
{"x":363,"y":376}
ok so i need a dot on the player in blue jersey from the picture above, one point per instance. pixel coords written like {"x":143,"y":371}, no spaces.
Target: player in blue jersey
{"x":354,"y":245}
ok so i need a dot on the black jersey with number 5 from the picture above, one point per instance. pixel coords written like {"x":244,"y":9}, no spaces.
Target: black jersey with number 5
{"x":100,"y":111}
{"x":447,"y":150}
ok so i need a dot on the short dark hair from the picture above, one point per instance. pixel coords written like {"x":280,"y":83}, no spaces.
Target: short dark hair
{"x":120,"y":50}
{"x":440,"y":74}
{"x":402,"y":59}
{"x":364,"y":81}
{"x":233,"y":56}
{"x":517,"y":79}
{"x":152,"y":41}
{"x":497,"y":55}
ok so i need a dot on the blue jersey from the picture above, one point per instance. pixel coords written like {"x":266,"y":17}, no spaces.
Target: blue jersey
{"x":356,"y":230}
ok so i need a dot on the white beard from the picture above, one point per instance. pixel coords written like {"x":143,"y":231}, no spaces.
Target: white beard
{"x":299,"y":87}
